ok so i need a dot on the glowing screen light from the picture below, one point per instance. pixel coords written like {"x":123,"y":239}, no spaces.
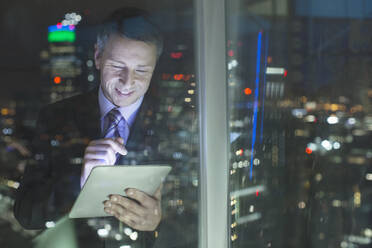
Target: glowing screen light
{"x":239,"y":152}
{"x":310,"y":118}
{"x":178,"y":77}
{"x":234,"y":63}
{"x":4,"y":111}
{"x":247,"y":91}
{"x":336,"y":145}
{"x":275,"y":71}
{"x":133,"y":235}
{"x":308,"y":150}
{"x":327,"y":145}
{"x":312,"y":146}
{"x":299,"y":113}
{"x":176,"y":55}
{"x":351,"y":121}
{"x":61,"y":36}
{"x":60,"y":28}
{"x":57,"y":80}
{"x":369,"y":176}
{"x":102,"y":233}
{"x":60,"y":33}
{"x":332,"y":120}
{"x":50,"y":224}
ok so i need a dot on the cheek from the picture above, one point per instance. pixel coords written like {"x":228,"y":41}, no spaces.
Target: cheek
{"x":109,"y":79}
{"x":108,"y":86}
{"x":109,"y":75}
{"x":144,"y":85}
{"x":106,"y":76}
{"x":144,"y":82}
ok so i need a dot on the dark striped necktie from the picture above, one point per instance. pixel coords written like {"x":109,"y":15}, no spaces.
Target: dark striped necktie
{"x":117,"y":126}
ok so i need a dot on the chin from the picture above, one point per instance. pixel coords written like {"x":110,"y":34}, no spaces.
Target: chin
{"x":124,"y":103}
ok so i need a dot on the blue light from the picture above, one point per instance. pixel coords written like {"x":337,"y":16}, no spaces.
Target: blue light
{"x":264,"y":88}
{"x":57,"y":28}
{"x":255,"y":106}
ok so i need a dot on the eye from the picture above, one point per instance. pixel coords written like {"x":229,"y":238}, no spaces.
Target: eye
{"x":141,"y":71}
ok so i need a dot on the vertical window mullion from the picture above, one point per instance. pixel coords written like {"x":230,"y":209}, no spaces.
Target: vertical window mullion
{"x":214,"y":149}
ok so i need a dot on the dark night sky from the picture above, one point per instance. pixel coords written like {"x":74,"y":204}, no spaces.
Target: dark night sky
{"x":23,"y":28}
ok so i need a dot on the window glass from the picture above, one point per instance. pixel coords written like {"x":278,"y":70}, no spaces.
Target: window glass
{"x":299,"y":88}
{"x":49,"y":56}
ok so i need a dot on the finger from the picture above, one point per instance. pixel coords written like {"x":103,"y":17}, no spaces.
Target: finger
{"x":144,"y":199}
{"x":141,"y":223}
{"x":98,"y":147}
{"x":136,"y":223}
{"x":123,"y":215}
{"x":101,"y":147}
{"x":128,"y":221}
{"x":103,"y":152}
{"x":118,"y":145}
{"x":94,"y":162}
{"x":115,"y":145}
{"x":97,"y":156}
{"x":128,"y":204}
{"x":120,"y":140}
{"x":123,"y":212}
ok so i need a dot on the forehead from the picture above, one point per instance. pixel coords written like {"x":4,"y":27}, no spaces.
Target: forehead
{"x":126,"y":50}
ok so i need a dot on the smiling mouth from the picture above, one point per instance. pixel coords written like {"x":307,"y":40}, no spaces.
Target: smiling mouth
{"x":122,"y":93}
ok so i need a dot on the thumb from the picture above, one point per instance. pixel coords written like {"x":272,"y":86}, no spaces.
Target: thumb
{"x":157,"y":194}
{"x":121,"y":148}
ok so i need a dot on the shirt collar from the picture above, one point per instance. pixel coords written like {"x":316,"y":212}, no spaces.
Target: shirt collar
{"x":105,"y":106}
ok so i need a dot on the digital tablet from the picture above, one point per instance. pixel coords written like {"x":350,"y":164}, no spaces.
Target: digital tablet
{"x":107,"y":180}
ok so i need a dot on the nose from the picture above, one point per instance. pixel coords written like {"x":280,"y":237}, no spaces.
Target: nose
{"x":126,"y":76}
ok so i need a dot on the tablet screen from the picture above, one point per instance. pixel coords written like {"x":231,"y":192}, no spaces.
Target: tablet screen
{"x":107,"y":180}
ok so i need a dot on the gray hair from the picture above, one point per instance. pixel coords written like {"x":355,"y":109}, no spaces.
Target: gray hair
{"x":131,"y":23}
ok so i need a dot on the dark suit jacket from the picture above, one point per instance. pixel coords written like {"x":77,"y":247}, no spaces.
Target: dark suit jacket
{"x":52,"y":183}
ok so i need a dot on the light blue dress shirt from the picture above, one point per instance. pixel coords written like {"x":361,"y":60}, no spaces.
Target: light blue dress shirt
{"x":128,"y":112}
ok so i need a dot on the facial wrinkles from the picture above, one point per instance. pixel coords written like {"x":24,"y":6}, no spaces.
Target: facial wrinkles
{"x":128,"y":74}
{"x":126,"y":66}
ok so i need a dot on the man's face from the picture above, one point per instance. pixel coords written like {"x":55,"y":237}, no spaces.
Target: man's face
{"x":126,"y":67}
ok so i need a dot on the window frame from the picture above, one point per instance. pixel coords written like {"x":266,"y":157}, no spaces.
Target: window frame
{"x":210,"y":43}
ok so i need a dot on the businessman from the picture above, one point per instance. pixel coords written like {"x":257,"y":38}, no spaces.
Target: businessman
{"x":106,"y":126}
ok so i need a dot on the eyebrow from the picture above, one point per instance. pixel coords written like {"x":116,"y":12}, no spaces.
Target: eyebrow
{"x":121,"y":63}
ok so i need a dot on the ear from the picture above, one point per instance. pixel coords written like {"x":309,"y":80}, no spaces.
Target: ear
{"x":97,"y":57}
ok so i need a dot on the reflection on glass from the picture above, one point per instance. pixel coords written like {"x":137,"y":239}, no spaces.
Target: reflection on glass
{"x":65,"y":66}
{"x":299,"y":88}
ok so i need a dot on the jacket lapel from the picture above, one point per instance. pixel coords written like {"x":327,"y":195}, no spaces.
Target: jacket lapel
{"x":137,"y":135}
{"x":88,"y":115}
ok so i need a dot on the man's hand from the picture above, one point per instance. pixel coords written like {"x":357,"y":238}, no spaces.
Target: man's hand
{"x":101,"y":152}
{"x":139,"y":210}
